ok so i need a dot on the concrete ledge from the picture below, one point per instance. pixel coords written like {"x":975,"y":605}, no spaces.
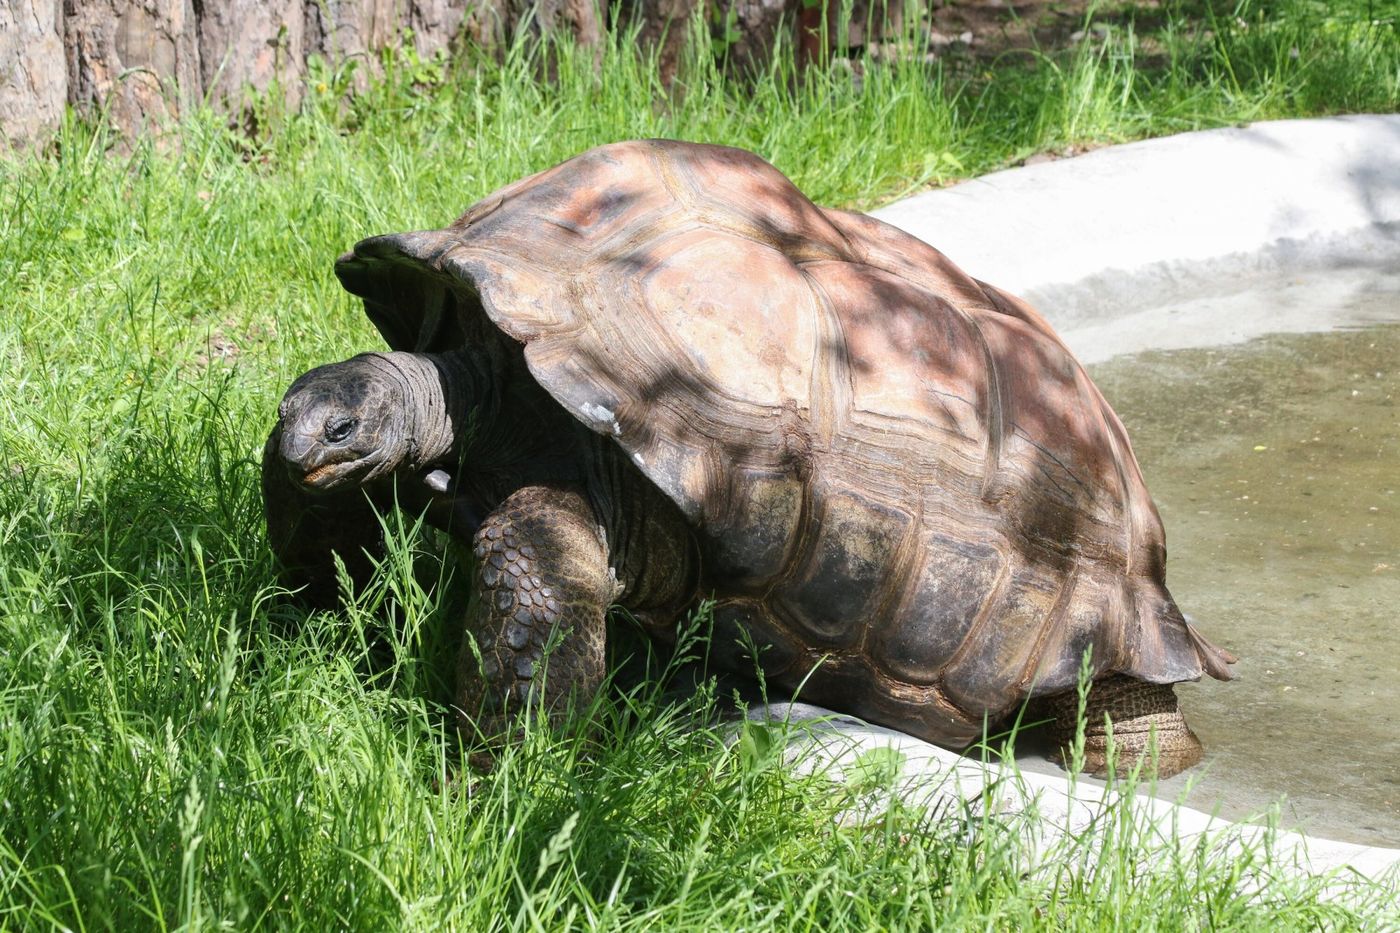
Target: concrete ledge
{"x":1064,"y":813}
{"x":1122,"y":230}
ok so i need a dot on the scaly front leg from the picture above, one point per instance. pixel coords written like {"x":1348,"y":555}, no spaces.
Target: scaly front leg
{"x":543,"y":582}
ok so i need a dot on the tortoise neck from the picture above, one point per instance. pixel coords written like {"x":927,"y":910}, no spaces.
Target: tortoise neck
{"x":441,"y":391}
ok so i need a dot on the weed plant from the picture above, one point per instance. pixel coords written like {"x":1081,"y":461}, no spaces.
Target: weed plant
{"x":180,"y":748}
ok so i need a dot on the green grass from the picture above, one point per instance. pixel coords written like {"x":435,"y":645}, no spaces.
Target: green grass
{"x":179,"y":748}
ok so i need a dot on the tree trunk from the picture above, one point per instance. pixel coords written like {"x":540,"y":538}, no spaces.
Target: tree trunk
{"x":253,"y":44}
{"x":753,"y":28}
{"x":33,"y":80}
{"x":663,"y":25}
{"x":146,"y":61}
{"x":136,"y":59}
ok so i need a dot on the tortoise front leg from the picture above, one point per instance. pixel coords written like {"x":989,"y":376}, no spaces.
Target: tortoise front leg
{"x":307,"y":530}
{"x":543,"y":582}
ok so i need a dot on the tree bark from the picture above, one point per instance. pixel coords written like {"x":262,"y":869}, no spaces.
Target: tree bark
{"x":252,"y":44}
{"x":135,"y":59}
{"x":33,"y":80}
{"x":757,"y":27}
{"x":664,"y":26}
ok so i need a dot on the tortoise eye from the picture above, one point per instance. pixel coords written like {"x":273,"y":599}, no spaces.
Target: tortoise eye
{"x":338,"y":429}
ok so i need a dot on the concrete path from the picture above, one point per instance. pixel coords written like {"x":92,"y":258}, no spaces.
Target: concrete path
{"x":1106,"y":245}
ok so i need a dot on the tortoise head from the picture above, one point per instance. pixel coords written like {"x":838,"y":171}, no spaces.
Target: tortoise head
{"x":345,"y":424}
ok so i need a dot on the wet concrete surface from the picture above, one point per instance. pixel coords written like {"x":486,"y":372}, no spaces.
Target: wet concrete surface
{"x":1275,"y":463}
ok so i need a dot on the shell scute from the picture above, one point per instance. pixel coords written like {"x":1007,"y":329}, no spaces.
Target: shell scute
{"x":845,"y":576}
{"x":751,"y":344}
{"x":987,"y":673}
{"x":887,"y":319}
{"x":744,"y":635}
{"x":752,"y":548}
{"x":951,"y":585}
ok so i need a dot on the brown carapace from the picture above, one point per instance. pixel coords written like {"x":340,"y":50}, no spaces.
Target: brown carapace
{"x":896,"y":479}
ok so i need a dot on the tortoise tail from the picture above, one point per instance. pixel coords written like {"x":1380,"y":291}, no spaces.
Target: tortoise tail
{"x":1215,"y":660}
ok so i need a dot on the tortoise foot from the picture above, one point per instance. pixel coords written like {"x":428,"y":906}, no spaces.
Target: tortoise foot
{"x":1142,"y":715}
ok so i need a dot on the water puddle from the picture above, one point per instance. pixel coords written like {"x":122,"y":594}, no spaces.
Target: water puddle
{"x":1276,"y":466}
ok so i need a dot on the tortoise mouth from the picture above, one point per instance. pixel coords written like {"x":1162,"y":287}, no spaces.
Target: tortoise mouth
{"x":331,"y":475}
{"x":321,"y":475}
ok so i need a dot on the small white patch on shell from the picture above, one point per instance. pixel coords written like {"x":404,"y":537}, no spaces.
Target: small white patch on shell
{"x":639,"y":460}
{"x":601,"y":416}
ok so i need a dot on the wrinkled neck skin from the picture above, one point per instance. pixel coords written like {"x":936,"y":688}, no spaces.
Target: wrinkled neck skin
{"x":481,"y":428}
{"x":443,"y":393}
{"x":450,"y":400}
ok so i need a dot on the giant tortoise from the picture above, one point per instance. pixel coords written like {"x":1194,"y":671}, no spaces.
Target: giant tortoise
{"x":657,"y":373}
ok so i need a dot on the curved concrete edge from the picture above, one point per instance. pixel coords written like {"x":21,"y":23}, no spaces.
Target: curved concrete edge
{"x":1064,"y":813}
{"x":1127,"y":227}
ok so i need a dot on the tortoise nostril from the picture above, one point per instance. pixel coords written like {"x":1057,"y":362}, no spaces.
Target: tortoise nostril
{"x":338,"y":429}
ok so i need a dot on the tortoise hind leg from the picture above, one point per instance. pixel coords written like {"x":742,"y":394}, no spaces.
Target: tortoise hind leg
{"x":1140,"y":712}
{"x":536,"y":632}
{"x":306,"y":532}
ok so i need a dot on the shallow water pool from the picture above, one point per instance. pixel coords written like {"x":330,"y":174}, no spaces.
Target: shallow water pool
{"x":1276,"y":466}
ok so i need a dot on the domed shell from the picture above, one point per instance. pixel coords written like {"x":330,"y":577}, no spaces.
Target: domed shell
{"x":897,"y":474}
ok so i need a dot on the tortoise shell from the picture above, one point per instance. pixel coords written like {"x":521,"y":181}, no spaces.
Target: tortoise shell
{"x":896,"y":473}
